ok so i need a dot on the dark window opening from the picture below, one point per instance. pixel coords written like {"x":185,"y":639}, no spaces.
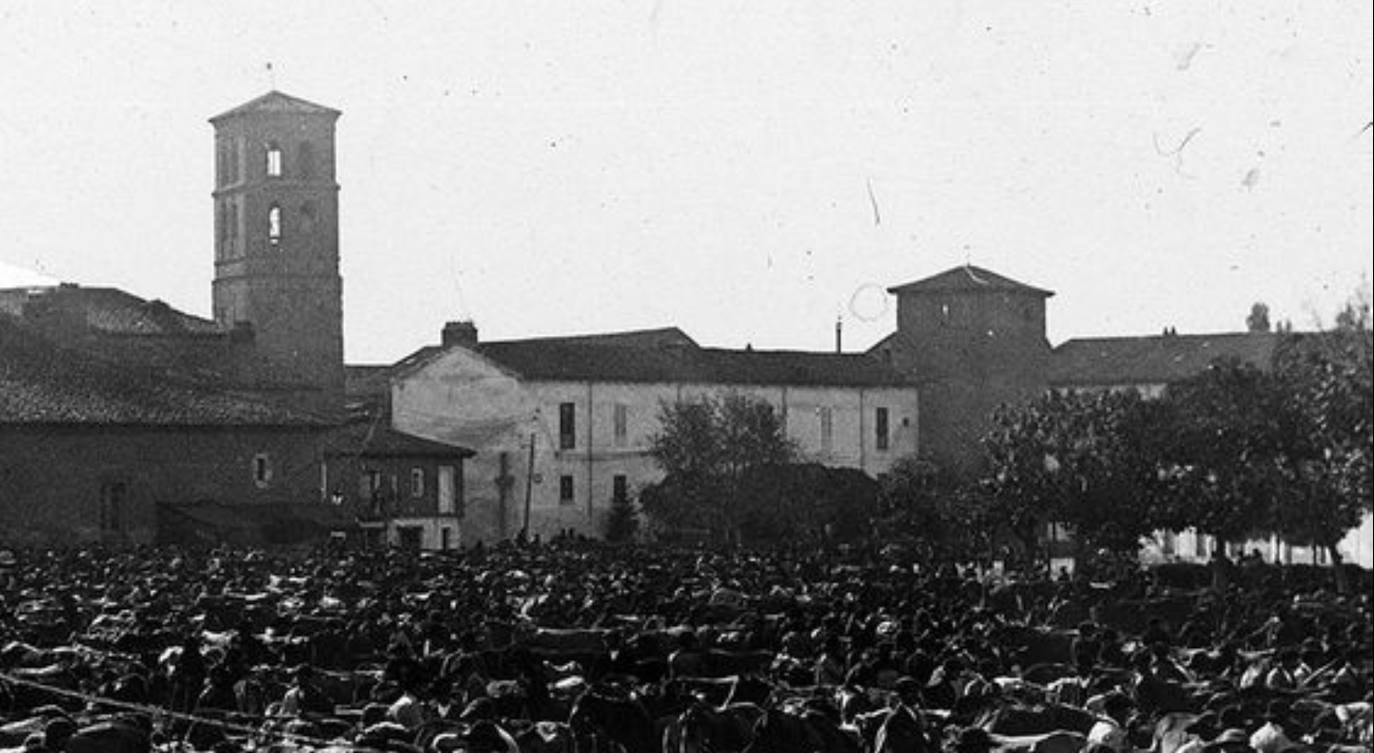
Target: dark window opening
{"x":262,"y":469}
{"x":112,"y":496}
{"x":620,"y":488}
{"x":880,"y":428}
{"x":565,"y":490}
{"x":567,"y":426}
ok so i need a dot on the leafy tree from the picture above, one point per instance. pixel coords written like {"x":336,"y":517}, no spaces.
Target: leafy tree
{"x":1075,"y":458}
{"x":925,"y":505}
{"x":622,"y":520}
{"x":803,"y":502}
{"x":1258,"y":320}
{"x":1228,"y":437}
{"x":1328,"y":395}
{"x":707,"y":447}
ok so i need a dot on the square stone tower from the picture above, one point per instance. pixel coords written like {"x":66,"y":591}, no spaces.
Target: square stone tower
{"x":277,"y":244}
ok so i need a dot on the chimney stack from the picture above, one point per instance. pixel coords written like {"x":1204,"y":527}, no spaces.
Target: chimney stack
{"x":839,"y":336}
{"x":462,"y":333}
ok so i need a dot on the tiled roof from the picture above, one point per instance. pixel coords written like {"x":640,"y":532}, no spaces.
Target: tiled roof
{"x":275,"y":101}
{"x":635,"y":338}
{"x":43,"y":383}
{"x":569,"y":361}
{"x":107,"y":310}
{"x":374,"y":439}
{"x":1159,"y":359}
{"x":366,"y":381}
{"x":968,"y":278}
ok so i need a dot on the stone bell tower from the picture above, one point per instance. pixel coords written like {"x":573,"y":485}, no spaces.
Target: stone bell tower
{"x":277,"y":244}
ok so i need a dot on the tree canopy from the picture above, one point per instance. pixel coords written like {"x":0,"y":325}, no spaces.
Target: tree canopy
{"x":708,"y":447}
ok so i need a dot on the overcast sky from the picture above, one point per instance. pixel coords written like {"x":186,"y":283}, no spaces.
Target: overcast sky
{"x":746,"y":170}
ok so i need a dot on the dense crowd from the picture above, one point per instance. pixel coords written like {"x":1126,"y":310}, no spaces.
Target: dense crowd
{"x":579,"y":646}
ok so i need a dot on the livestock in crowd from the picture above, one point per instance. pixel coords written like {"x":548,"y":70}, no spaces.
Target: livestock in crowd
{"x":577,"y":646}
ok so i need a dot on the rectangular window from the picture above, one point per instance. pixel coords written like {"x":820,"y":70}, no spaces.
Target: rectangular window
{"x":620,"y":488}
{"x":262,"y":469}
{"x":417,"y":482}
{"x":621,"y":420}
{"x":880,"y":428}
{"x":565,"y":490}
{"x":567,"y":426}
{"x":112,"y":505}
{"x":827,"y":429}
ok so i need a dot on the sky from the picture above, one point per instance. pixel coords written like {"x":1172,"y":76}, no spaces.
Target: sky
{"x":747,"y":170}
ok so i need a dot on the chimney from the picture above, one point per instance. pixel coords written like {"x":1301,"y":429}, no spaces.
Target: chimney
{"x":462,"y":333}
{"x":242,"y":332}
{"x":839,"y":336}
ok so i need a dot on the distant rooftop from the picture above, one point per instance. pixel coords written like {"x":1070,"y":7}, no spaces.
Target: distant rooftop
{"x":275,"y":101}
{"x":667,"y":355}
{"x":968,"y":278}
{"x":1157,"y":359}
{"x":43,"y":383}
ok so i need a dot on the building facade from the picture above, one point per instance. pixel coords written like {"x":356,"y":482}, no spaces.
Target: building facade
{"x":562,"y":426}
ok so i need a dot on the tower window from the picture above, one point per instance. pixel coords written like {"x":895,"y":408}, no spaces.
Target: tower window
{"x":274,"y":225}
{"x":273,"y":161}
{"x":880,"y":429}
{"x":305,"y":160}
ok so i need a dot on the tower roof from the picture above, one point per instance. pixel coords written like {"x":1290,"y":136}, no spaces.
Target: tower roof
{"x":968,"y":278}
{"x":277,"y":102}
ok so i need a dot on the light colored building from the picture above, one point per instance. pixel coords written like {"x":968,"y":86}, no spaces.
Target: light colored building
{"x":565,"y":423}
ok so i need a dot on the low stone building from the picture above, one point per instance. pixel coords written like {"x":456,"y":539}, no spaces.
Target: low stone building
{"x":89,"y":450}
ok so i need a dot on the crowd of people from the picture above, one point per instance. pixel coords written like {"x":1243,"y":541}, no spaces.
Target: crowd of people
{"x":574,"y":645}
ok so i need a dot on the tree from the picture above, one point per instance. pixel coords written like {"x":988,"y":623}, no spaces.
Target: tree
{"x":1258,"y":320}
{"x":707,"y":447}
{"x":1079,"y":459}
{"x":933,"y":509}
{"x":622,"y":521}
{"x":1228,"y":433}
{"x":1328,"y":393}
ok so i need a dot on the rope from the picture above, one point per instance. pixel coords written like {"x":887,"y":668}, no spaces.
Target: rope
{"x":159,"y":712}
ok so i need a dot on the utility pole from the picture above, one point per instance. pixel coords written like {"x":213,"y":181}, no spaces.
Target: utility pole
{"x":529,"y":491}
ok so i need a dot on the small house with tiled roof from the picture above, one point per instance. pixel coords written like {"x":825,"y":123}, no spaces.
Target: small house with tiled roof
{"x":567,"y":421}
{"x":94,"y":450}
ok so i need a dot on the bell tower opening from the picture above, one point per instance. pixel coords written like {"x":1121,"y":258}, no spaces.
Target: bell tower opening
{"x":277,"y":242}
